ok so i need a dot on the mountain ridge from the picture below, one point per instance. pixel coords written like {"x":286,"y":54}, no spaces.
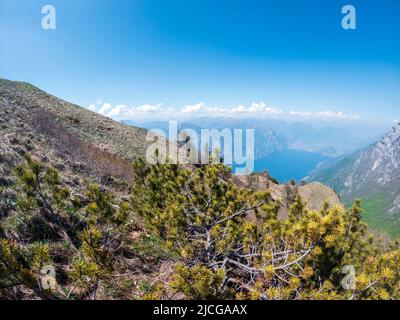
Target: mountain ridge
{"x":372,"y":174}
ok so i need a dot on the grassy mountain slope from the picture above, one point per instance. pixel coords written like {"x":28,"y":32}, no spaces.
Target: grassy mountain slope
{"x":64,"y":134}
{"x":25,"y":100}
{"x":85,"y":148}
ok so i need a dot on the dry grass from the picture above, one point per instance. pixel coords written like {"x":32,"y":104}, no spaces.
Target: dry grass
{"x":70,"y":146}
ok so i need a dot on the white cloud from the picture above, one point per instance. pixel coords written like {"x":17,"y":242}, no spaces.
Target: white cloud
{"x":255,"y":109}
{"x":200,"y":107}
{"x":91,"y":107}
{"x":324,"y":115}
{"x":105,"y":108}
{"x":124,"y":112}
{"x":149,"y":107}
{"x":117,"y":110}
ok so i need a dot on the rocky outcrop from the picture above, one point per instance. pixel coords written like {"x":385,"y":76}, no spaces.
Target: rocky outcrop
{"x":314,"y":194}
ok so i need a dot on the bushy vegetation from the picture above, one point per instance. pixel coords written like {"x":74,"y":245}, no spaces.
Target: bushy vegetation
{"x":219,"y":241}
{"x":375,"y":214}
{"x":81,"y":235}
{"x":232,"y":245}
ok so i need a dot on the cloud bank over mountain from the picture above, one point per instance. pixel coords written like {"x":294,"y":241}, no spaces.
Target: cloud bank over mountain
{"x":255,"y":109}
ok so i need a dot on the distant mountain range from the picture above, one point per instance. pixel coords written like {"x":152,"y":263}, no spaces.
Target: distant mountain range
{"x":327,"y":138}
{"x":288,"y":150}
{"x":266,"y":141}
{"x":372,"y":174}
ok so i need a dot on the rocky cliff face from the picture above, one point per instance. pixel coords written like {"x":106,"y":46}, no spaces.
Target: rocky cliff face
{"x":372,"y":174}
{"x":379,"y":163}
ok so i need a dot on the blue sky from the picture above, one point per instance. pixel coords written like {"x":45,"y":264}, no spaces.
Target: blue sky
{"x":160,"y":56}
